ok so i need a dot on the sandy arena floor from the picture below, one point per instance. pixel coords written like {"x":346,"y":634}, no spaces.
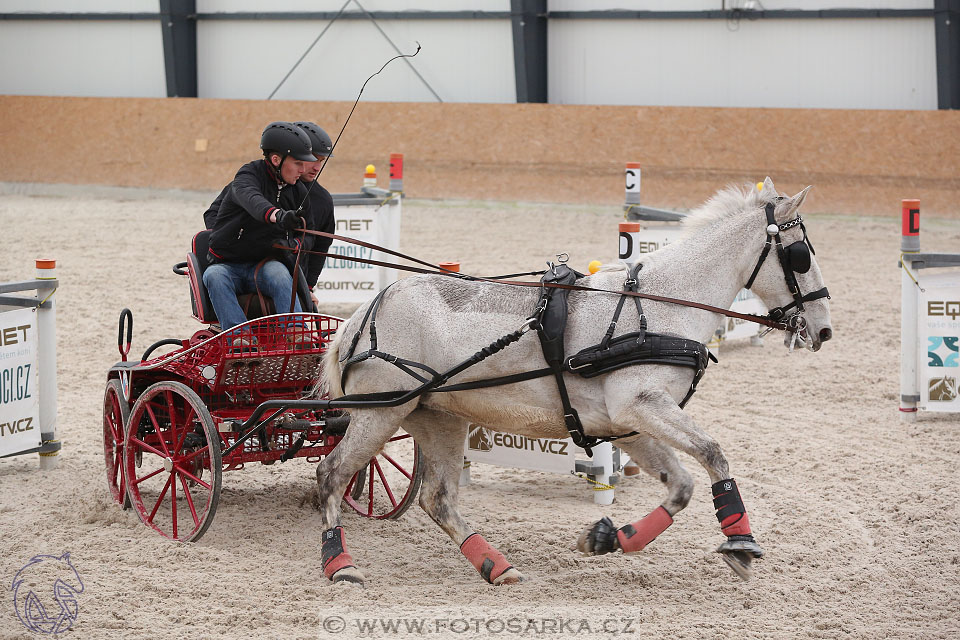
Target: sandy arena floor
{"x":856,"y":511}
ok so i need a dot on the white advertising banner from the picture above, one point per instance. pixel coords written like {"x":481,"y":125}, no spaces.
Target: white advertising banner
{"x":745,"y":302}
{"x":649,"y":239}
{"x":19,"y":397}
{"x":939,"y":337}
{"x":345,"y":281}
{"x":515,"y":451}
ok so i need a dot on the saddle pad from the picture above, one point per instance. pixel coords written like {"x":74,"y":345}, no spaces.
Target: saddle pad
{"x":627,"y":350}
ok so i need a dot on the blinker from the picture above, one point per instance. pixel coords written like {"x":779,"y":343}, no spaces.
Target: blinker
{"x":798,"y":257}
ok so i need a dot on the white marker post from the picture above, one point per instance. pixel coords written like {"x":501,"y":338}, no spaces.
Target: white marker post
{"x":909,"y":303}
{"x":631,"y":185}
{"x":47,"y":365}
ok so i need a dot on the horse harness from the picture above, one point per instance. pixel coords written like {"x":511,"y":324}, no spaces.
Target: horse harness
{"x":549,"y":319}
{"x":794,"y":259}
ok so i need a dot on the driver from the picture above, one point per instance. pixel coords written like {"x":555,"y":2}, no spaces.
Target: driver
{"x":319,"y":214}
{"x":258,"y":210}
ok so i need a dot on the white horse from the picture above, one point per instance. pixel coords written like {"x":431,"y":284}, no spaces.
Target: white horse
{"x":441,"y":321}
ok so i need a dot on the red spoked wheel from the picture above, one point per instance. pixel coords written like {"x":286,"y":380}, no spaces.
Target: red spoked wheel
{"x":116,"y":413}
{"x":176,"y":488}
{"x":388,"y":484}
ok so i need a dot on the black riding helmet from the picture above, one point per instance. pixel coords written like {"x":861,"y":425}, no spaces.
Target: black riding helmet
{"x":322,"y":145}
{"x":287,"y":139}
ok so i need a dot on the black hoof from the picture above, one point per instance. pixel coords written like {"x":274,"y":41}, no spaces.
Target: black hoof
{"x":738,"y":552}
{"x":599,"y":538}
{"x":746,"y":544}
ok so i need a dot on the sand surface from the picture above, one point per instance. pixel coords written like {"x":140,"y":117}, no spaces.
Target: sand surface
{"x":857,"y":512}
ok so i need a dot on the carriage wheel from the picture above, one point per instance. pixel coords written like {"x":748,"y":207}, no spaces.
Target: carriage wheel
{"x":116,"y":413}
{"x":388,"y":484}
{"x":176,"y":489}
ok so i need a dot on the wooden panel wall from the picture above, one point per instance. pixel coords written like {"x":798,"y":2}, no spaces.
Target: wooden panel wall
{"x":860,"y":162}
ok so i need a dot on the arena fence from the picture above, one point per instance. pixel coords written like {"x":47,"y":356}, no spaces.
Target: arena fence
{"x":28,"y":367}
{"x":372,"y":215}
{"x":929,"y":323}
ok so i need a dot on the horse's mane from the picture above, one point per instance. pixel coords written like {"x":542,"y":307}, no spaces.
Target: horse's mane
{"x":728,"y":201}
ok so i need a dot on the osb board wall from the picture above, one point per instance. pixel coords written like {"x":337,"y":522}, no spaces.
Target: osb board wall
{"x":858,"y":161}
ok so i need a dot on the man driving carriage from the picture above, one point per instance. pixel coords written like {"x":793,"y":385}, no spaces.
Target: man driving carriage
{"x":318,"y":216}
{"x":258,"y":210}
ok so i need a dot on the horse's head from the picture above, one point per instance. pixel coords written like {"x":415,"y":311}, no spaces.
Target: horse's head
{"x":786,"y":276}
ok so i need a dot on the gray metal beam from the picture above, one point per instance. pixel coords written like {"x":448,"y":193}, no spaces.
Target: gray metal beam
{"x":529,"y":18}
{"x":947,"y":31}
{"x":178,"y":24}
{"x":932,"y":260}
{"x":774,"y":14}
{"x":612,"y":14}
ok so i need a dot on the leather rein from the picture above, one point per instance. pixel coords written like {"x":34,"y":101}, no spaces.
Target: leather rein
{"x":773,"y":319}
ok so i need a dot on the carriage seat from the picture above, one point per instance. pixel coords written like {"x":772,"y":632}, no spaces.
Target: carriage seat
{"x":249,"y":302}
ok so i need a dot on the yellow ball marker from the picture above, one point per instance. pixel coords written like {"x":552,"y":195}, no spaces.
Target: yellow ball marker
{"x":594,"y":266}
{"x":759,"y":186}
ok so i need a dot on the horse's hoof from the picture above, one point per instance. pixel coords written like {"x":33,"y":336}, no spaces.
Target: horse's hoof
{"x":348,"y":574}
{"x":740,"y":562}
{"x":738,"y":552}
{"x":744,"y":543}
{"x":510,"y":576}
{"x":599,"y":538}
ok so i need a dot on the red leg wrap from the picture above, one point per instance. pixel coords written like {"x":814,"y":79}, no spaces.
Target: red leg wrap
{"x":634,"y":537}
{"x":334,"y":552}
{"x":488,"y":561}
{"x":736,"y":525}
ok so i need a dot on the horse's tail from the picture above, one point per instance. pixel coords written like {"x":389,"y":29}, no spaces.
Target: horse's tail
{"x":330,"y":378}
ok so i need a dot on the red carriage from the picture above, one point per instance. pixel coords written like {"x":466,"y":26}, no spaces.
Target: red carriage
{"x":173,"y":423}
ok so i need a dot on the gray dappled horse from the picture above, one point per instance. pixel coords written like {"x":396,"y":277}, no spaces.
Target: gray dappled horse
{"x":440,"y":321}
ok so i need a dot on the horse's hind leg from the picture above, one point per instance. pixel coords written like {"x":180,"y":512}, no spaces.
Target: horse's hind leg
{"x":367,"y":433}
{"x":441,"y":438}
{"x":661,"y":462}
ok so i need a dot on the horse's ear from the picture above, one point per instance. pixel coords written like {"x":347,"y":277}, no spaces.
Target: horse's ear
{"x":788,"y":208}
{"x":768,"y":191}
{"x":797,"y":200}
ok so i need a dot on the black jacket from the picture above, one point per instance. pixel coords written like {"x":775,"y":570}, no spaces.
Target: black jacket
{"x":242,"y":231}
{"x":210,"y":215}
{"x":319,"y":218}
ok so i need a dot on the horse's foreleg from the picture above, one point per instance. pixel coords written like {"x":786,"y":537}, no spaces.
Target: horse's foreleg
{"x":660,"y":417}
{"x":367,"y":433}
{"x":441,"y":438}
{"x":660,"y":462}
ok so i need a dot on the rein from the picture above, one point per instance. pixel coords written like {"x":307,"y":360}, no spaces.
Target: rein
{"x":767,"y":321}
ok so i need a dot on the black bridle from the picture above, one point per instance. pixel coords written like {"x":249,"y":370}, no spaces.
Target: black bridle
{"x":794,"y":259}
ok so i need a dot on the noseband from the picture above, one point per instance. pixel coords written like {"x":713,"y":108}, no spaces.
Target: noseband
{"x":794,"y":259}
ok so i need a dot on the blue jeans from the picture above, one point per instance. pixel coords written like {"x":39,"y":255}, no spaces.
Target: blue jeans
{"x":227,"y":280}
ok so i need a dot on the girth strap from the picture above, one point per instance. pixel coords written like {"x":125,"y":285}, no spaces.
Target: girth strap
{"x":551,"y":315}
